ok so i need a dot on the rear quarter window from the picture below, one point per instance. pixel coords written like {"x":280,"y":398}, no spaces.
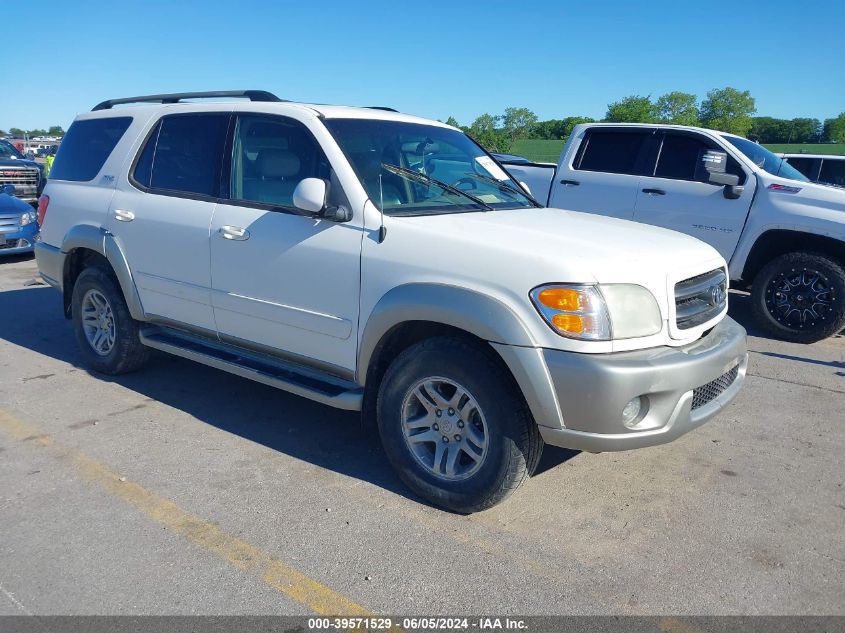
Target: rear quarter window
{"x":86,"y":146}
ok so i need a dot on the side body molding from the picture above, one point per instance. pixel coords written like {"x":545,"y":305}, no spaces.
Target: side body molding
{"x":102,"y":241}
{"x":481,"y":315}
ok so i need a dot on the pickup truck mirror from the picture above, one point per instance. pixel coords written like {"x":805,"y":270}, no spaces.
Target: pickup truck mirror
{"x":8,"y":189}
{"x":310,"y":196}
{"x":714,"y":164}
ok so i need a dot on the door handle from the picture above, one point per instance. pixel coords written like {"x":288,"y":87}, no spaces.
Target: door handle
{"x":233,"y":233}
{"x":123,"y":216}
{"x":655,"y":192}
{"x":570,"y":183}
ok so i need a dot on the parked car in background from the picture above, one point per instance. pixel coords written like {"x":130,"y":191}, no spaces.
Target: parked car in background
{"x":26,"y":175}
{"x":783,"y":235}
{"x":379,"y":262}
{"x":18,"y":223}
{"x":821,"y":168}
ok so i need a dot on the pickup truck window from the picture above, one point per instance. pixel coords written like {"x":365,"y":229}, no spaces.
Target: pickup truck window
{"x":680,"y":158}
{"x":270,"y":156}
{"x":766,"y":160}
{"x":417,"y":169}
{"x":7,"y":150}
{"x":804,"y":165}
{"x":183,"y":154}
{"x":612,"y":151}
{"x":833,"y":172}
{"x":86,"y":146}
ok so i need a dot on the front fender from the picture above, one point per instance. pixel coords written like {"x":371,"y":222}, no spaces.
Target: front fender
{"x":475,"y":313}
{"x":101,"y":241}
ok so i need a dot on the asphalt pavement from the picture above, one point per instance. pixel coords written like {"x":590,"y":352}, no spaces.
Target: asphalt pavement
{"x":185,"y":490}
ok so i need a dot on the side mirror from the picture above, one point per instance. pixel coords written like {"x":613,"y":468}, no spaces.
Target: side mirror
{"x":8,"y":189}
{"x":714,"y":164}
{"x":310,"y":196}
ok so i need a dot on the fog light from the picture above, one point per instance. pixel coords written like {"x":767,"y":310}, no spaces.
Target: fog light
{"x":632,"y":411}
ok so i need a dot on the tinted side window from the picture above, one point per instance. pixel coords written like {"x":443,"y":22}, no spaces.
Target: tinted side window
{"x":613,"y":152}
{"x":86,"y":146}
{"x":270,"y":156}
{"x":184,"y":154}
{"x":804,"y":165}
{"x":680,"y":157}
{"x":833,"y":172}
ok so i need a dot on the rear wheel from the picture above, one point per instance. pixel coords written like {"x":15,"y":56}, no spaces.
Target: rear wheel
{"x":454,"y":426}
{"x":106,"y":333}
{"x":800,"y":297}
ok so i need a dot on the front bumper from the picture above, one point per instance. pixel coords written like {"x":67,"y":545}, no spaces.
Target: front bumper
{"x":592,"y":390}
{"x":21,"y":240}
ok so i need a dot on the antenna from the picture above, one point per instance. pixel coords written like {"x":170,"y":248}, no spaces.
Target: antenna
{"x":382,"y":231}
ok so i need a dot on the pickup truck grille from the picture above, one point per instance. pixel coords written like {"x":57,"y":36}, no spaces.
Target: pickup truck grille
{"x":700,"y":298}
{"x":25,"y":180}
{"x":713,"y":389}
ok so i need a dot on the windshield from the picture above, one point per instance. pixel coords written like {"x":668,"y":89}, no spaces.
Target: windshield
{"x":766,"y":160}
{"x":414,"y":169}
{"x":7,"y":150}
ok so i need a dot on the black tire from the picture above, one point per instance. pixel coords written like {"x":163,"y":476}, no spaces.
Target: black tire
{"x":127,"y":353}
{"x":514,"y":445}
{"x":784,"y":289}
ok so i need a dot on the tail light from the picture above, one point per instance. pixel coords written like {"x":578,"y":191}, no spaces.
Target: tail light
{"x":43,"y":201}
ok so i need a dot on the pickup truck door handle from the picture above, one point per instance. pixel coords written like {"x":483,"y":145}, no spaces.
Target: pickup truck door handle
{"x":233,"y":233}
{"x":655,"y":192}
{"x":123,"y":216}
{"x":570,"y":183}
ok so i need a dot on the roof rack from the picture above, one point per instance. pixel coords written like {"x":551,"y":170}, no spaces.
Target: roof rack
{"x":176,"y":97}
{"x":381,"y":108}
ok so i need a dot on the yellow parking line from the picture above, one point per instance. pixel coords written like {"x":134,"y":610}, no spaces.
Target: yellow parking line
{"x":240,"y":554}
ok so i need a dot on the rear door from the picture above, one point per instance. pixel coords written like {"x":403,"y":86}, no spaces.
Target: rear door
{"x":604,"y":175}
{"x":161,"y":217}
{"x":677,"y":197}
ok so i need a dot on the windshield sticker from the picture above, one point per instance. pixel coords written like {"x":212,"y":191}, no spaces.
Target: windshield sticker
{"x":492,"y":168}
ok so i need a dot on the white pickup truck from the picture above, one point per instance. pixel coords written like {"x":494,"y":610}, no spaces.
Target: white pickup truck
{"x":782,"y":235}
{"x":379,"y":262}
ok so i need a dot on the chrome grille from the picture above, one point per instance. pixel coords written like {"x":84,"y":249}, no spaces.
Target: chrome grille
{"x":713,"y":389}
{"x":10,"y":222}
{"x":700,"y":298}
{"x":19,"y":176}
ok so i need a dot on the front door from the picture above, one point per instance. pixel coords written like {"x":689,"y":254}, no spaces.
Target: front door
{"x":282,"y":282}
{"x":676,"y":196}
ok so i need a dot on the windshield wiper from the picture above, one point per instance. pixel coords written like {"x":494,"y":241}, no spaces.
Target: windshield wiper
{"x":503,"y":186}
{"x":428,"y":180}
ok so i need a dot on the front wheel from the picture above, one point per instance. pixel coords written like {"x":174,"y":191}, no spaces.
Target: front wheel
{"x":800,"y":297}
{"x":454,"y":426}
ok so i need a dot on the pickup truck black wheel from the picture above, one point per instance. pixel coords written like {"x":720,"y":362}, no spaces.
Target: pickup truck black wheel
{"x":454,"y":425}
{"x":106,"y":333}
{"x":800,"y":297}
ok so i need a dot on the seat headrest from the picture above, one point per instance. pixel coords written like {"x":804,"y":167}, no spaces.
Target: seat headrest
{"x":277,"y":163}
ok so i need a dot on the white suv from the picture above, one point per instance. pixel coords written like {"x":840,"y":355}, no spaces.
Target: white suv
{"x":380,"y":262}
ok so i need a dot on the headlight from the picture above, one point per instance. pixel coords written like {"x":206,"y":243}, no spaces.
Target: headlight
{"x":28,"y":218}
{"x":598,"y":313}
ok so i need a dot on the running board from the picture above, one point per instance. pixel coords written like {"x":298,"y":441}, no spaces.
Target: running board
{"x":301,"y":381}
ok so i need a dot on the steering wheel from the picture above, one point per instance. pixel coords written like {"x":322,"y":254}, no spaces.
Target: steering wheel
{"x":473,"y":184}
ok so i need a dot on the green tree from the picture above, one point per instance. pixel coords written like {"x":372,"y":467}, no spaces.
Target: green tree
{"x":37,"y":132}
{"x":834,"y":129}
{"x":517,"y":123}
{"x":679,"y":108}
{"x":804,"y":130}
{"x":766,"y":129}
{"x":728,"y":110}
{"x":633,"y":109}
{"x":485,"y":129}
{"x":56,"y":130}
{"x":16,"y":131}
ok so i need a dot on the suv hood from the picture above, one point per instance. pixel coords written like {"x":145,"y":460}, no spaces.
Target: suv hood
{"x":571,"y":246}
{"x":12,"y":205}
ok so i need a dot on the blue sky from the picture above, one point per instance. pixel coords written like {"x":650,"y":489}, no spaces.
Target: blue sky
{"x":435,"y":59}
